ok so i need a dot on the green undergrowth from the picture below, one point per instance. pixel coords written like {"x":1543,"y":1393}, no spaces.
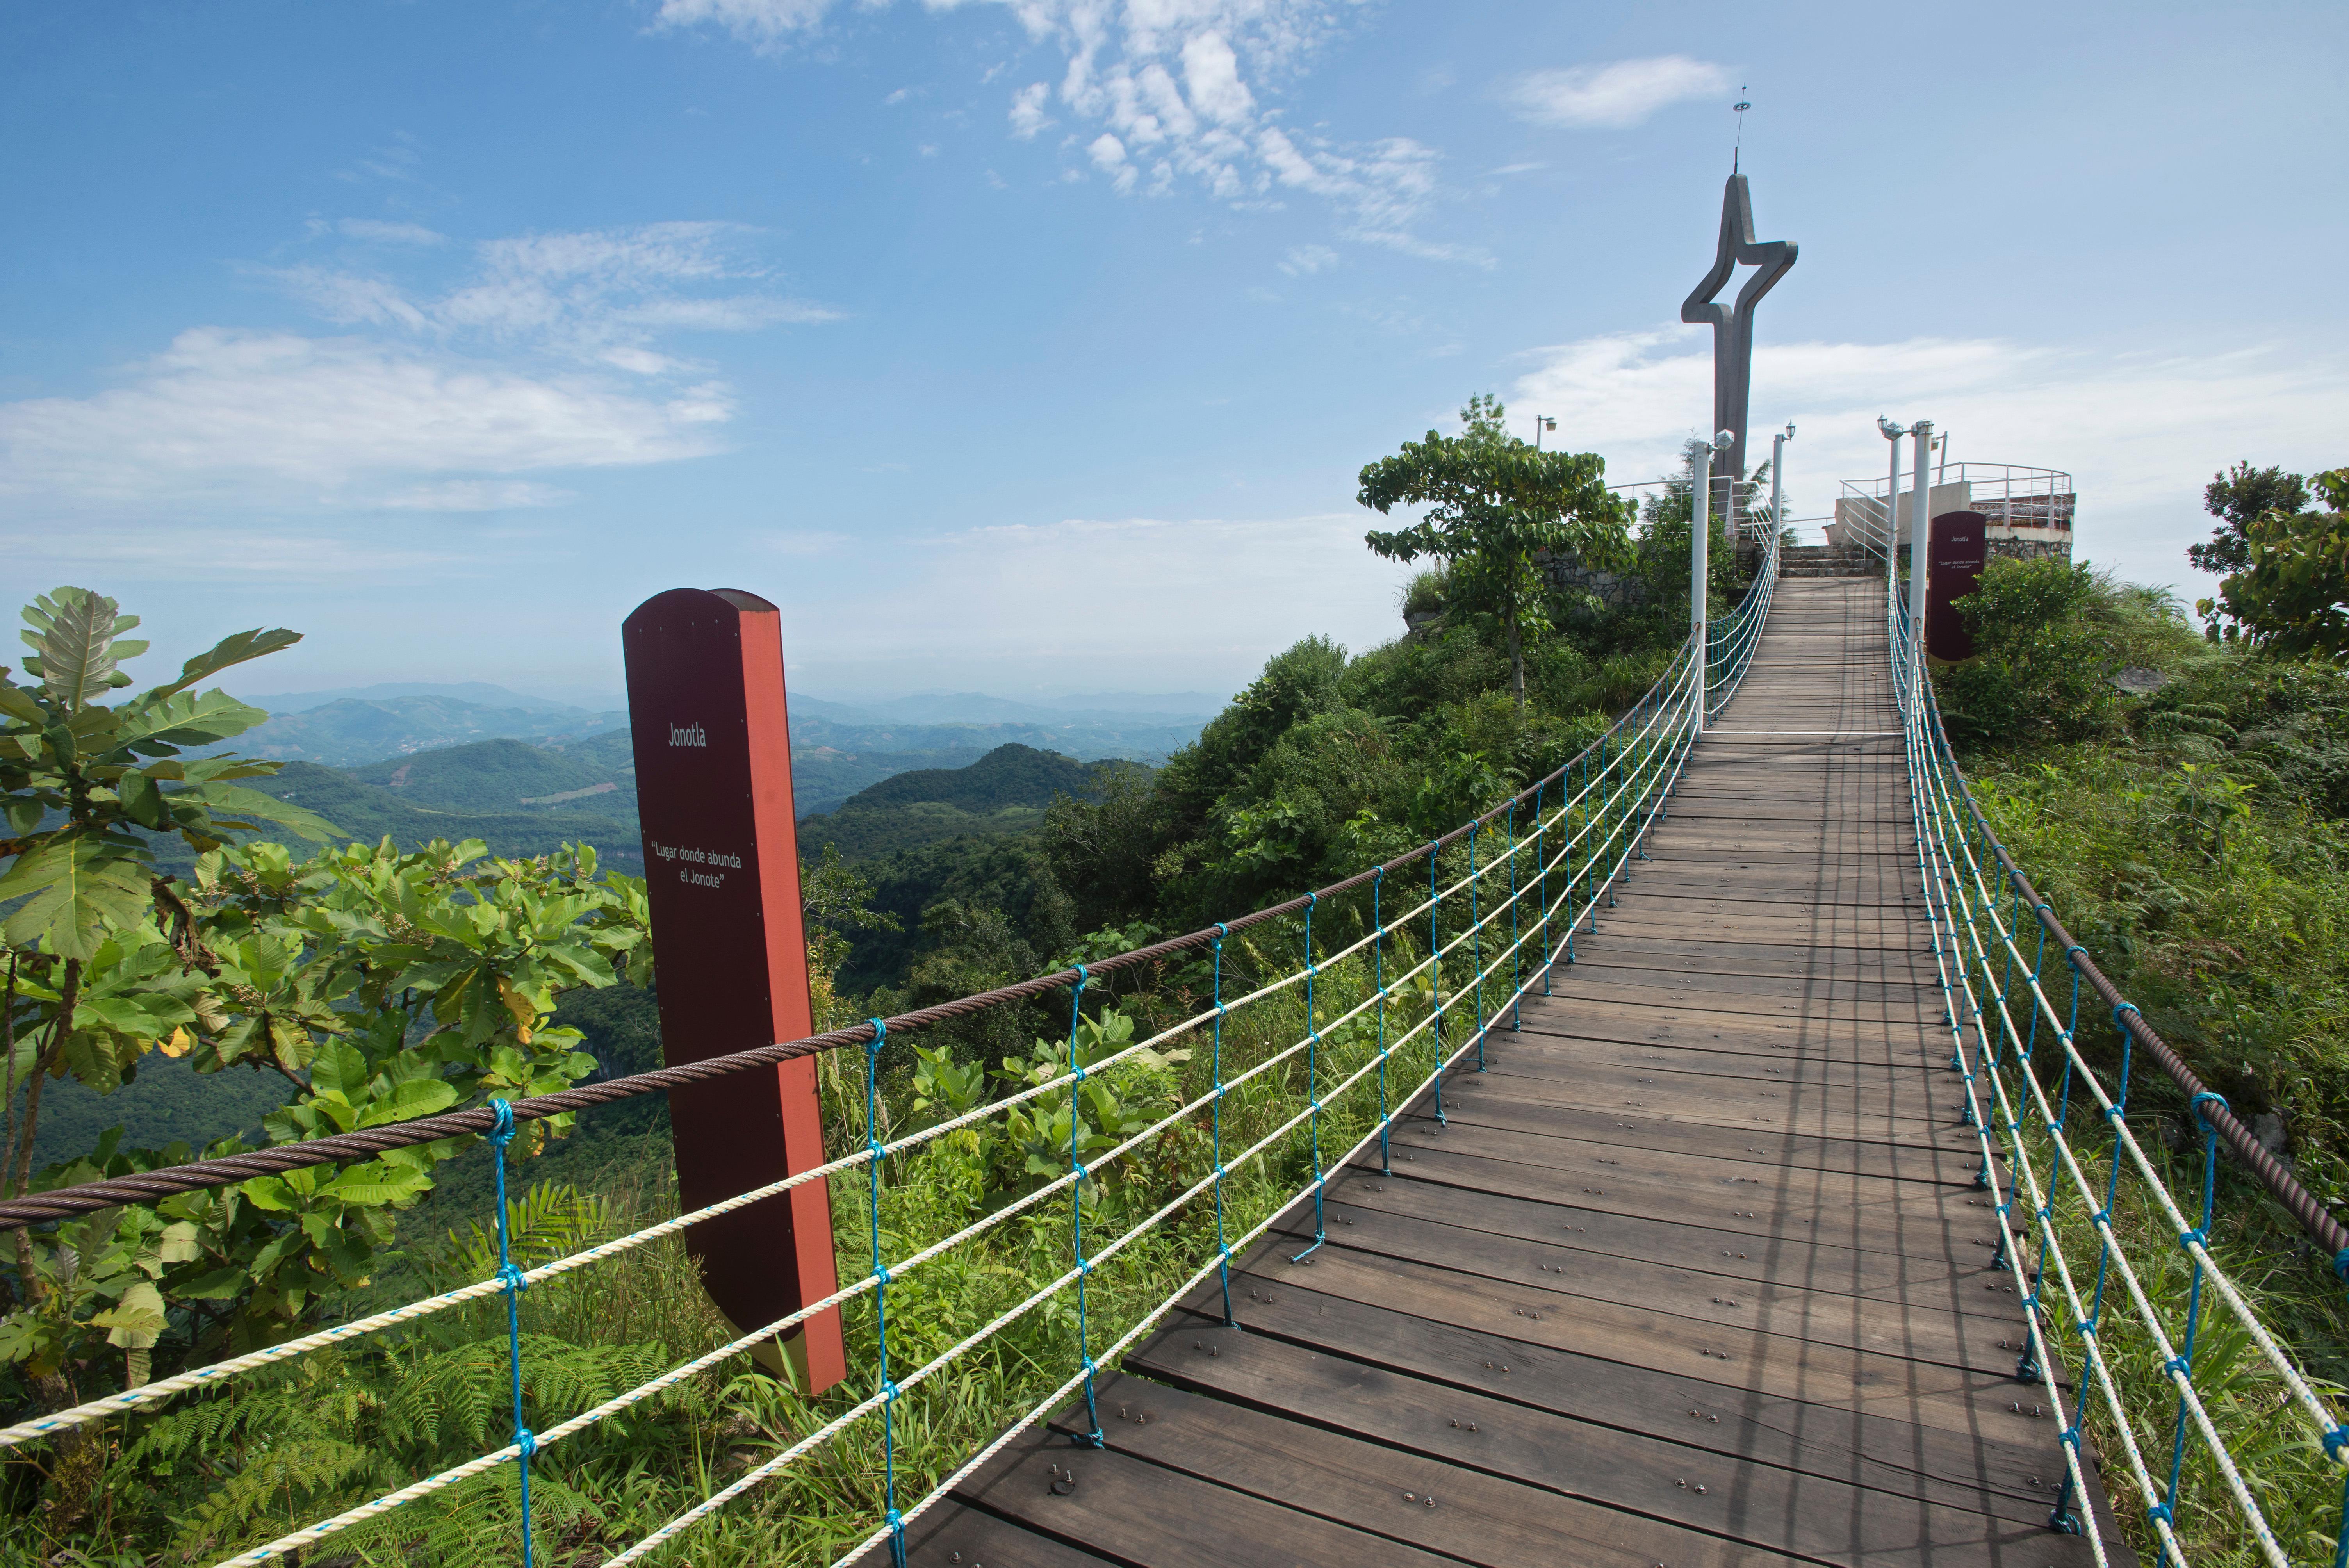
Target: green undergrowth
{"x":222,"y":1471}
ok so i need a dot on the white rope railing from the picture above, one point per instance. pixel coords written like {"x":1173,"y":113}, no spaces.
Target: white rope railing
{"x":1985,"y":976}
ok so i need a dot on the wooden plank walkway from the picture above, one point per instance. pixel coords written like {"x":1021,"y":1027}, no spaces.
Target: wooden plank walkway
{"x":1696,"y":1275}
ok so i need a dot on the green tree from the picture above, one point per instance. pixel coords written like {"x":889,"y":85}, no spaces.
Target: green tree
{"x":1493,"y":504}
{"x":2291,"y":594}
{"x":2238,"y":497}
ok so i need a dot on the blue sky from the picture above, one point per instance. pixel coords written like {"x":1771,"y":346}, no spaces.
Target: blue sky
{"x":1033,"y":346}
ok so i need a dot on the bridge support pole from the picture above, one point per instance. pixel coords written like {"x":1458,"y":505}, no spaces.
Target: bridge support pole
{"x":1920,"y":527}
{"x":1699,"y":545}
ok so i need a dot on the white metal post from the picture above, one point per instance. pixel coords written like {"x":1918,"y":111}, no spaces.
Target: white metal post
{"x":1700,"y":537}
{"x":1778,"y":479}
{"x":1920,"y":525}
{"x":1892,"y":512}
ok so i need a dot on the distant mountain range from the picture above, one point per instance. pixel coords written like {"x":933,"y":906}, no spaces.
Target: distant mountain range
{"x":360,"y":726}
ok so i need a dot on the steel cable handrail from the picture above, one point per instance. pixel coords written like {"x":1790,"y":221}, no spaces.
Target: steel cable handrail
{"x":1984,"y":975}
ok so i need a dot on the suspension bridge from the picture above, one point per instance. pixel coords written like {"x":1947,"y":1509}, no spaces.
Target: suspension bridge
{"x":1692,"y":1161}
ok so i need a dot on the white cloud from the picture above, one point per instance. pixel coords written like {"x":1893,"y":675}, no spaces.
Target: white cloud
{"x":476,"y":495}
{"x":391,"y":233}
{"x":1303,"y":261}
{"x":1027,"y":115}
{"x":1108,"y":154}
{"x":765,"y":24}
{"x":1212,"y":72}
{"x":1612,"y":96}
{"x":1125,"y":599}
{"x":1178,"y":85}
{"x":281,"y":419}
{"x":2140,"y":434}
{"x":515,"y":369}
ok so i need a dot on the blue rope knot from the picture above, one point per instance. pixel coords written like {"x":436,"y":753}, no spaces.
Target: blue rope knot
{"x":1089,"y":1367}
{"x":2335,"y":1440}
{"x":2075,"y":947}
{"x":2070,"y":1437}
{"x":2340,"y":1263}
{"x":2159,"y":1512}
{"x":510,"y":1276}
{"x":889,"y":1392}
{"x":2195,"y":1104}
{"x":880,"y":1033}
{"x":503,"y":1127}
{"x":2129,"y":1007}
{"x":1083,"y":976}
{"x":2088,"y":1328}
{"x":881,"y":1273}
{"x":1079,"y":1168}
{"x":1084,"y":1271}
{"x":526,"y":1441}
{"x":1224,"y":1250}
{"x":2177,"y":1366}
{"x":2114,"y":1113}
{"x":2197,"y":1237}
{"x":1081,"y":1072}
{"x":1312,"y":899}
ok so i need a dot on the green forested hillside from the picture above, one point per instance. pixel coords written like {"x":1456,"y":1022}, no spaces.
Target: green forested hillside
{"x":499,"y":776}
{"x":1008,"y":776}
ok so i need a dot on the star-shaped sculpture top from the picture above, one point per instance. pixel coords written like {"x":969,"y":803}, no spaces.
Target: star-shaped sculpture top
{"x":1733,"y":324}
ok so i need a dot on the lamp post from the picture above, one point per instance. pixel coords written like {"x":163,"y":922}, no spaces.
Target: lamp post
{"x":1778,"y":478}
{"x":1542,"y":422}
{"x":1700,"y":564}
{"x":1920,"y":525}
{"x":1892,"y":433}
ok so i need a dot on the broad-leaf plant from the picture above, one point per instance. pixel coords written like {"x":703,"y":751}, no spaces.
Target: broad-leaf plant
{"x":382,"y":984}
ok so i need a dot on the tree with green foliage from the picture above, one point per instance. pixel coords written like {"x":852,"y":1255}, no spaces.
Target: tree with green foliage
{"x":383,"y":985}
{"x":1493,"y":505}
{"x":2289,"y":596}
{"x":2238,"y":497}
{"x":2049,"y":636}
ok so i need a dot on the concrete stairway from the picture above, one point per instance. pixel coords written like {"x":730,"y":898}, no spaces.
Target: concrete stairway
{"x":1825,"y":561}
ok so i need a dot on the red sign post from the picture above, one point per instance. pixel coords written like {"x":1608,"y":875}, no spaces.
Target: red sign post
{"x":722,"y":872}
{"x":1954,"y":553}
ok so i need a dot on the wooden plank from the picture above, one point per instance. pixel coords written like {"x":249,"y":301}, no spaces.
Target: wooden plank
{"x":1401,"y":1383}
{"x":1934,"y":1280}
{"x":952,"y":1536}
{"x":1579,"y":1161}
{"x":1145,"y":1516}
{"x":1479,"y":1100}
{"x":1791,"y":1310}
{"x":1920,"y":1393}
{"x":1945,"y":1230}
{"x":1477,"y":1516}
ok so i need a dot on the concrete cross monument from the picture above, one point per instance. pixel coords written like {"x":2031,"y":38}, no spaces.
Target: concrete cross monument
{"x":1733,"y":324}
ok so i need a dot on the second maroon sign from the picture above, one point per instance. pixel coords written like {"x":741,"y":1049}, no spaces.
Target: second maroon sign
{"x":1954,"y":553}
{"x":721,"y":869}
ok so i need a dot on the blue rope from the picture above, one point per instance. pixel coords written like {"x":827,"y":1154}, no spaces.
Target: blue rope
{"x":1435,"y":972}
{"x":887,"y":1390}
{"x":1223,"y":1248}
{"x":1475,"y":947}
{"x":1312,"y":1078}
{"x":1516,"y":944}
{"x":1077,"y":1210}
{"x":1541,"y":859}
{"x":1379,"y":980}
{"x":501,"y":1134}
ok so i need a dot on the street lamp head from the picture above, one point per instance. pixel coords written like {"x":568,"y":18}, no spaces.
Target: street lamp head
{"x":1548,"y":423}
{"x":1892,"y":432}
{"x":1723,"y":439}
{"x":1790,"y":429}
